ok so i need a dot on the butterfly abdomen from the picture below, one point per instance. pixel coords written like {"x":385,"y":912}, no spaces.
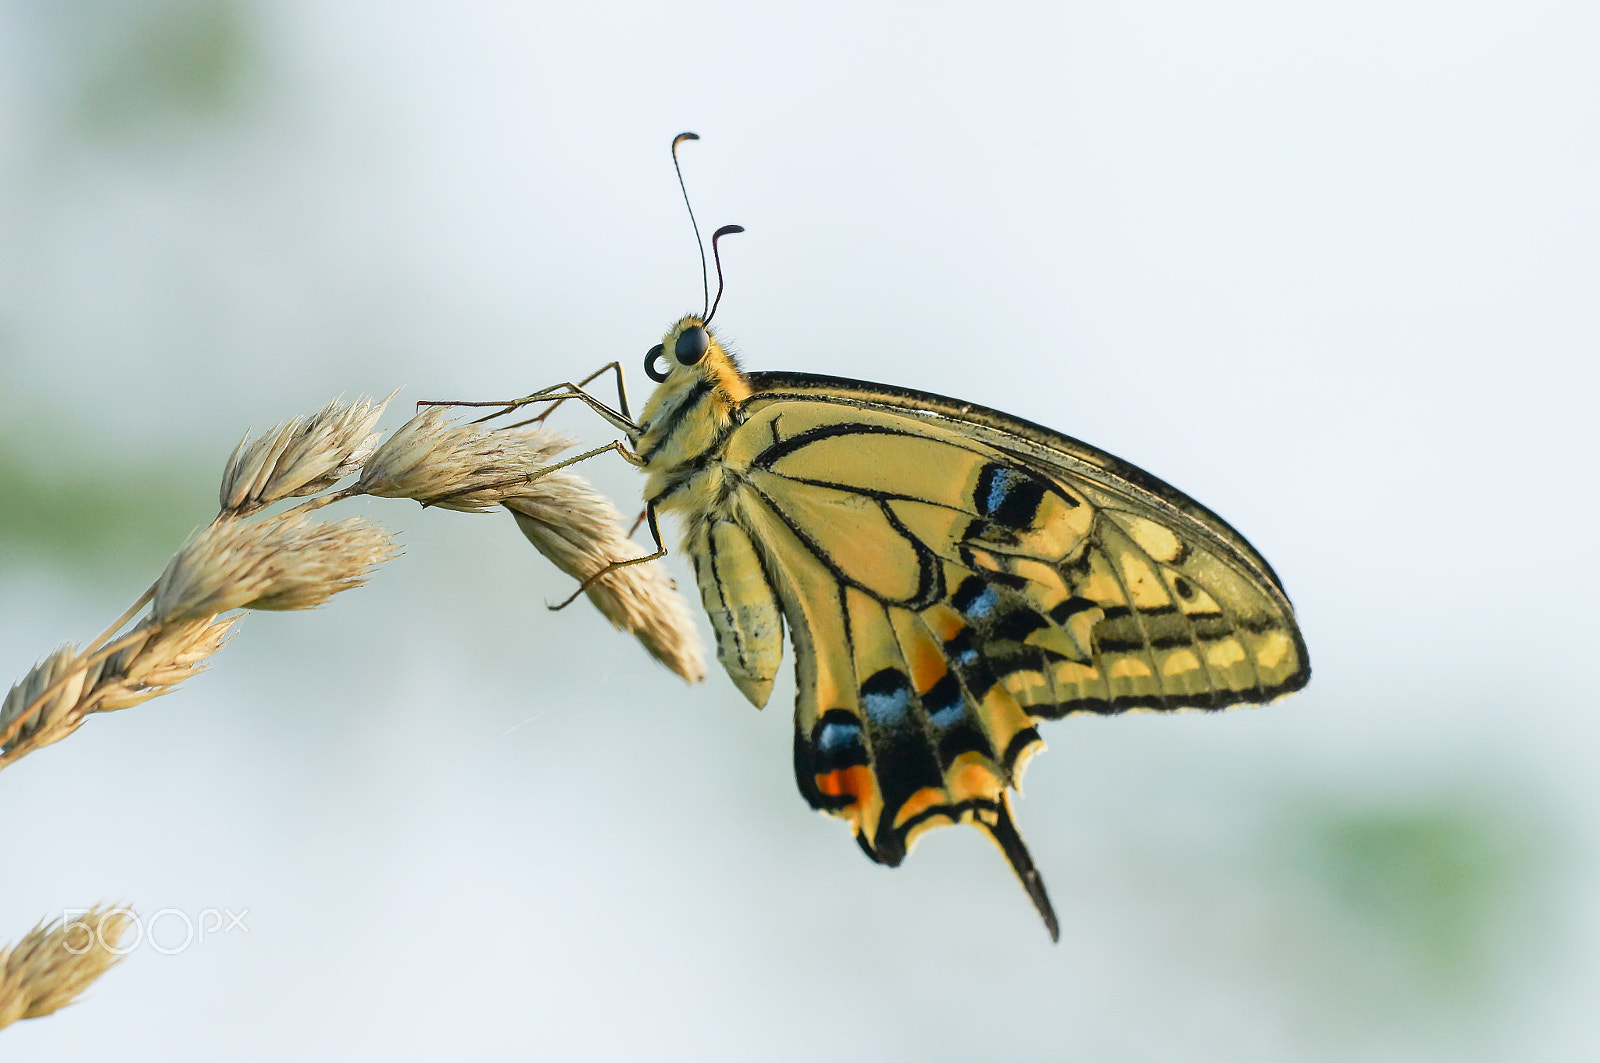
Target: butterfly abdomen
{"x":740,"y":602}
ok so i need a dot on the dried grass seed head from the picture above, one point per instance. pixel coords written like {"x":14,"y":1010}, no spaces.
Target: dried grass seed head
{"x":334,"y":556}
{"x":156,"y":658}
{"x":283,"y":562}
{"x":56,"y":961}
{"x":169,"y":654}
{"x":64,"y":663}
{"x":301,"y":456}
{"x":468,"y":467}
{"x":580,"y":531}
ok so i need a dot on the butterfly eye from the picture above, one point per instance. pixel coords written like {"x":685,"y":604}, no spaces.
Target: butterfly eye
{"x":693,"y":343}
{"x":658,"y":375}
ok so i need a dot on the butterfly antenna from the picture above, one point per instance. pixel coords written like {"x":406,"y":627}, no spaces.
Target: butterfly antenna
{"x":726,"y":230}
{"x":705,"y":283}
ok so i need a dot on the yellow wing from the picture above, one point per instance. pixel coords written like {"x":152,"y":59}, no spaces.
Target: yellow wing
{"x":949,"y":575}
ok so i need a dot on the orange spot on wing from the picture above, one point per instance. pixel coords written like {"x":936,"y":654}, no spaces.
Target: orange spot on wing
{"x":926,"y":661}
{"x":944,"y":621}
{"x":920,"y":802}
{"x":972,"y":775}
{"x":854,"y":782}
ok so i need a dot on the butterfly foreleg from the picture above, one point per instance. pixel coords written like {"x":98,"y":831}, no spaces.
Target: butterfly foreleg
{"x":555,"y":393}
{"x":559,"y":393}
{"x":622,"y":393}
{"x":528,"y":478}
{"x":660,"y":552}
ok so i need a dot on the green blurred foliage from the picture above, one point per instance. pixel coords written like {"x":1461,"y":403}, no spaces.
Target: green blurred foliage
{"x":1420,"y":914}
{"x":156,"y":65}
{"x":1438,"y":883}
{"x":91,"y":518}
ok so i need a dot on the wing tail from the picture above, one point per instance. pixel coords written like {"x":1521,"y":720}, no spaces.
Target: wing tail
{"x":1005,"y":835}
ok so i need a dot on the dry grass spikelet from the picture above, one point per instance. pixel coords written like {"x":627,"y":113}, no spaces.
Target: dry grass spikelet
{"x":467,"y":467}
{"x":58,"y":960}
{"x":580,"y":531}
{"x":284,"y":562}
{"x":301,"y":456}
{"x":163,"y":657}
{"x":41,"y":702}
{"x":54,"y":698}
{"x":473,"y":468}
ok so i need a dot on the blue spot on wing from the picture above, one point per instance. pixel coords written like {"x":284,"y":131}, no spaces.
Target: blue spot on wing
{"x":833,"y":737}
{"x":1007,"y":496}
{"x":964,"y":656}
{"x":976,"y":599}
{"x":1000,"y":482}
{"x":886,"y":697}
{"x":961,"y":651}
{"x":946,"y":707}
{"x":834,"y":742}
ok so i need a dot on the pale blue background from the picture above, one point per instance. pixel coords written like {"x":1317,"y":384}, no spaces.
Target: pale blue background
{"x":1329,"y":267}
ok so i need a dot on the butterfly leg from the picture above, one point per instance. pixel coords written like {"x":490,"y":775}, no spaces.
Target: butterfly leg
{"x":622,"y":394}
{"x":616,"y":444}
{"x":562,"y":392}
{"x":528,"y":478}
{"x":660,"y":552}
{"x":556,"y":393}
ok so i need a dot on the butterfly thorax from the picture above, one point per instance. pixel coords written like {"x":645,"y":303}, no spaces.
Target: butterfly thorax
{"x":686,"y":423}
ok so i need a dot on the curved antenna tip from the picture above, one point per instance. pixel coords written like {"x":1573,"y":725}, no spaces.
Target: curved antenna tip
{"x":726,"y":230}
{"x":705,"y":283}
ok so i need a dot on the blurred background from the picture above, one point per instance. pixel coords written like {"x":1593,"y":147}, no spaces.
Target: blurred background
{"x":1329,"y":268}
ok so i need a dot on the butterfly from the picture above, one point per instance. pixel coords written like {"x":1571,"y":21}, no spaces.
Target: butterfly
{"x":948,"y":576}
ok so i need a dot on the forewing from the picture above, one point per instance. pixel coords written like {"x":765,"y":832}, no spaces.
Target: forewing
{"x":1080,"y":594}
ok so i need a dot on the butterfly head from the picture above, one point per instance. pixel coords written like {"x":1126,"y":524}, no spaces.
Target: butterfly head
{"x":698,"y":384}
